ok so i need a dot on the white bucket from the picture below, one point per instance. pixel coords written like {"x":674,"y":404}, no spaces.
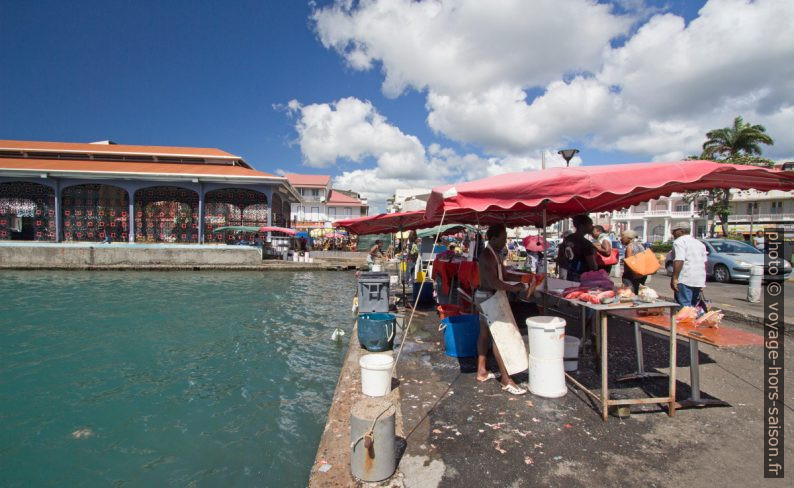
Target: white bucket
{"x":571,"y":358}
{"x":376,"y":374}
{"x":546,"y":349}
{"x":377,"y":268}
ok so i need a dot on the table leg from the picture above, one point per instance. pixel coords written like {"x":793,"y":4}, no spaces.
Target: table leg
{"x":641,"y":373}
{"x":673,"y":347}
{"x":694,"y":369}
{"x":694,"y":379}
{"x":604,"y":370}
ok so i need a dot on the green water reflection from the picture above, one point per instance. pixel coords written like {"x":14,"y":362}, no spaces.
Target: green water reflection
{"x":178,"y":378}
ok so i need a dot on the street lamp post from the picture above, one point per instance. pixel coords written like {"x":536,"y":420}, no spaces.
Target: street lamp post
{"x":568,"y":154}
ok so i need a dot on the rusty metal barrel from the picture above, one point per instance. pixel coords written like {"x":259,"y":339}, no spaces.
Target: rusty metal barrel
{"x":373,"y":454}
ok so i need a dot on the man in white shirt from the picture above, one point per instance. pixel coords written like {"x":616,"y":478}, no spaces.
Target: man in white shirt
{"x":689,"y":266}
{"x":758,"y":240}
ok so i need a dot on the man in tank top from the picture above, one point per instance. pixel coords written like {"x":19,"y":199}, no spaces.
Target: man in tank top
{"x":493,"y":277}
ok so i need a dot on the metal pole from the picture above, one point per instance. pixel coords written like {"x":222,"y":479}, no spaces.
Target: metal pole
{"x":545,"y":261}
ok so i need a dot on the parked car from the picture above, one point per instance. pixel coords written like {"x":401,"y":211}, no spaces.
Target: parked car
{"x":730,"y":260}
{"x":551,"y":252}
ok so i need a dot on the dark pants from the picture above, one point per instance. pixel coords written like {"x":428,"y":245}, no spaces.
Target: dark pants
{"x":634,"y":281}
{"x":687,"y":296}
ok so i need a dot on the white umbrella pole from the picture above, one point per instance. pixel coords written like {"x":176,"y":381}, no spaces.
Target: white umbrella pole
{"x":407,"y":326}
{"x":545,"y":261}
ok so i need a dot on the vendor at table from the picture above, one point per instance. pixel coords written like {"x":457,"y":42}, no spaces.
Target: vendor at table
{"x":491,"y":268}
{"x":375,"y":253}
{"x":576,"y":254}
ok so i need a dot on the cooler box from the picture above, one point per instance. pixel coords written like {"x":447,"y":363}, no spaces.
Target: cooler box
{"x":373,"y":292}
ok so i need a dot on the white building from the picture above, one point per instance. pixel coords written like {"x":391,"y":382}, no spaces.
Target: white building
{"x":754,"y":210}
{"x":408,"y":200}
{"x":322,"y":204}
{"x":652,"y":220}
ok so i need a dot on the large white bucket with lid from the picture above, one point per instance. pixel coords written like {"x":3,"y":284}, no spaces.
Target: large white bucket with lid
{"x":376,"y":374}
{"x":571,"y":353}
{"x":546,"y":350}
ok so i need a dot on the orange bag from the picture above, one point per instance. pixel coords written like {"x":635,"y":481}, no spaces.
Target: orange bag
{"x":644,"y":263}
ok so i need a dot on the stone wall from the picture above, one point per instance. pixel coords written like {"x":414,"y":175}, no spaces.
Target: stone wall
{"x":124,"y":256}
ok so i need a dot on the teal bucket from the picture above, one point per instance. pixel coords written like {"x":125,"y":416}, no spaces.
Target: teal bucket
{"x":376,"y":331}
{"x":460,"y":335}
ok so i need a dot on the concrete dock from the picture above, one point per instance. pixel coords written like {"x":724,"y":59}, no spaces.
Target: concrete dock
{"x":456,"y":431}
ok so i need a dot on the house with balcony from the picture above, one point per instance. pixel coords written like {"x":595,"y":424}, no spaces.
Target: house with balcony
{"x":408,"y":200}
{"x":321,"y":204}
{"x":753,"y":210}
{"x":652,"y":220}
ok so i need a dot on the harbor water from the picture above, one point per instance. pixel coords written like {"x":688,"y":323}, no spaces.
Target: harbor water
{"x":167,"y":378}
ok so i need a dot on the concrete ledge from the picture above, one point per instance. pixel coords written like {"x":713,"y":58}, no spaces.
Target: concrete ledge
{"x":109,"y":255}
{"x":333,"y":452}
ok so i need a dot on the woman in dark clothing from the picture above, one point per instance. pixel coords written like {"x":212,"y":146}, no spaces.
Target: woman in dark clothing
{"x":577,"y":254}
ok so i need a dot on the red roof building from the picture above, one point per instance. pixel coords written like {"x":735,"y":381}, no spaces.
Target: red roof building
{"x":54,"y":191}
{"x":322,"y":204}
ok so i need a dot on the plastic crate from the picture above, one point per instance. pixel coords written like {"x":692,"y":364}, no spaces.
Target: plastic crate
{"x":373,"y":292}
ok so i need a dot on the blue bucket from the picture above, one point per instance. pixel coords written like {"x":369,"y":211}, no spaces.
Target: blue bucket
{"x":425,"y":292}
{"x":460,"y":335}
{"x":376,"y":331}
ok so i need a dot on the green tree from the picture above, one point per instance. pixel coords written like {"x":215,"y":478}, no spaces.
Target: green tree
{"x":739,"y":144}
{"x":741,"y":139}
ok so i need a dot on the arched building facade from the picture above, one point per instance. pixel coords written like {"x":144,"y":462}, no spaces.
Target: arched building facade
{"x":65,"y":192}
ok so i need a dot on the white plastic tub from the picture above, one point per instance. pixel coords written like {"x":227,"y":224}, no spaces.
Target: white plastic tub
{"x":571,"y":353}
{"x":376,"y":374}
{"x":546,"y":352}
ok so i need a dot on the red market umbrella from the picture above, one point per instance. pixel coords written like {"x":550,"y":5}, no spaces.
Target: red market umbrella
{"x":386,"y":223}
{"x":285,"y":230}
{"x":521,"y":198}
{"x":535,"y":243}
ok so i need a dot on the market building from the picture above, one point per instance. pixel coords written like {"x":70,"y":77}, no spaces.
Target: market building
{"x":408,"y":200}
{"x":652,"y":220}
{"x":73,"y":192}
{"x":321,"y":204}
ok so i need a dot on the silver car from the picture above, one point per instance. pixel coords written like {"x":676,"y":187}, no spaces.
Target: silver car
{"x":730,"y":260}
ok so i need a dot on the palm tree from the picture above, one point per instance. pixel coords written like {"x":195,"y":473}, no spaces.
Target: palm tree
{"x":742,"y":138}
{"x":740,"y":144}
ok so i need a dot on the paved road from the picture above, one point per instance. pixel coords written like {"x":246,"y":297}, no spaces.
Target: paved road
{"x":729,"y":296}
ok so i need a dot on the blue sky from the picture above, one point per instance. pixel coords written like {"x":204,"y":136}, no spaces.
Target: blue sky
{"x":309,"y":86}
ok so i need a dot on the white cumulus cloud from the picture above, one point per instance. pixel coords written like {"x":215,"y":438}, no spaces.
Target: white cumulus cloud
{"x":352,"y":129}
{"x":656,"y":94}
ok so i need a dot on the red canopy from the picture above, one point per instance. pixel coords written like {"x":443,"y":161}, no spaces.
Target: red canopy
{"x":285,"y":230}
{"x":387,"y":223}
{"x":517,"y":198}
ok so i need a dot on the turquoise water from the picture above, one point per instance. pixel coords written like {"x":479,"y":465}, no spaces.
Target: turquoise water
{"x":167,"y":378}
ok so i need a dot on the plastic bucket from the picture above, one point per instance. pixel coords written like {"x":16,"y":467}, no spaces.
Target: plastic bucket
{"x":449,"y":310}
{"x":460,"y":335}
{"x":376,"y":268}
{"x":376,"y":374}
{"x":376,"y":331}
{"x":425,"y":292}
{"x":571,"y":359}
{"x":546,"y":351}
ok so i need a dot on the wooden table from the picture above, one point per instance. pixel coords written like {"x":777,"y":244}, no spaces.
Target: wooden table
{"x":602,"y":313}
{"x":721,"y":337}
